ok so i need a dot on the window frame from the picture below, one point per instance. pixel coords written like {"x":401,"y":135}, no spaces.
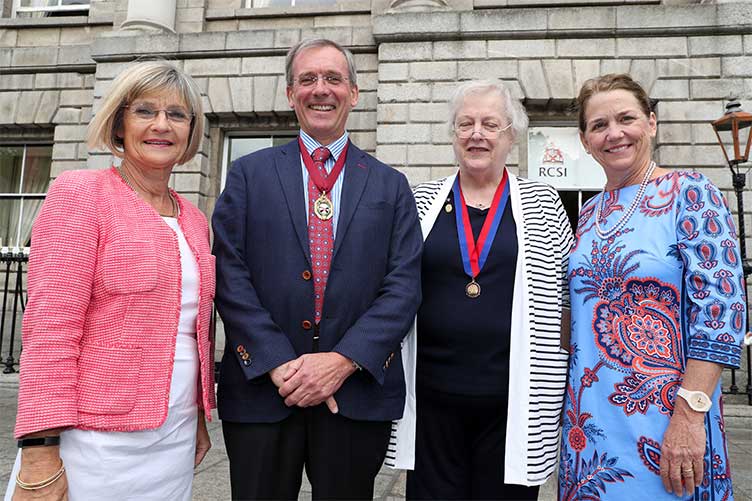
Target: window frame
{"x":20,"y":195}
{"x":17,"y":8}
{"x":240,"y":134}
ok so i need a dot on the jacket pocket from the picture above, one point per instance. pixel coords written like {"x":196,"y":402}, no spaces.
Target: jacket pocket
{"x":129,"y":266}
{"x":108,"y":379}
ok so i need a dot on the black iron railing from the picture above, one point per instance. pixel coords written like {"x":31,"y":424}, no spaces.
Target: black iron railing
{"x":12,"y":270}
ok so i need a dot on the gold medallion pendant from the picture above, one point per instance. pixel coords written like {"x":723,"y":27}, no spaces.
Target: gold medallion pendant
{"x":472,"y":290}
{"x":322,"y":207}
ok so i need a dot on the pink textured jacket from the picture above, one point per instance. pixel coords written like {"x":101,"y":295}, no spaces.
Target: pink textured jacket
{"x":104,"y":302}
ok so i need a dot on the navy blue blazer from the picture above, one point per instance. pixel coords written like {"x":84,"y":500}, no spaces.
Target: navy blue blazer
{"x":263,"y":297}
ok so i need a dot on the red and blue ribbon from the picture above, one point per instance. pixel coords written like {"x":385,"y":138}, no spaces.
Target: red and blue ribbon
{"x":474,"y":254}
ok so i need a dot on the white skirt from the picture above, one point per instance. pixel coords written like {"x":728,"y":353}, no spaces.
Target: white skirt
{"x":141,"y":465}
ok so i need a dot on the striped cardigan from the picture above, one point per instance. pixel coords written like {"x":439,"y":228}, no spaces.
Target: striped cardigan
{"x":537,"y":364}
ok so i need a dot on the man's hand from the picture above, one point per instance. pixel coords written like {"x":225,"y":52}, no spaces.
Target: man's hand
{"x":316,"y":379}
{"x":285,"y":371}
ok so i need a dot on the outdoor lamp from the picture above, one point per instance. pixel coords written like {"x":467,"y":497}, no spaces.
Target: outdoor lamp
{"x":731,"y":133}
{"x":734,"y":133}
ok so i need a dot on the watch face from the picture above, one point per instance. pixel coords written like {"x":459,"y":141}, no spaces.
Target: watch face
{"x":697,"y":400}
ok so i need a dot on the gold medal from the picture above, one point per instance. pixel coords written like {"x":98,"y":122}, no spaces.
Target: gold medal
{"x":472,"y":290}
{"x":322,"y":207}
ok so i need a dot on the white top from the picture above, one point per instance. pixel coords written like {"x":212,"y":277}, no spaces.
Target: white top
{"x":189,"y":276}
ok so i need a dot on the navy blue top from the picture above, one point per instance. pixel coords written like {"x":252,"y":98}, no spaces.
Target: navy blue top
{"x":463,"y":343}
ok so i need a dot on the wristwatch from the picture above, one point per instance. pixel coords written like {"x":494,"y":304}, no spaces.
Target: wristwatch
{"x":698,"y":400}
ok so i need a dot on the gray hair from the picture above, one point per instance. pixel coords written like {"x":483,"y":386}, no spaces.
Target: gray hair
{"x":315,"y":43}
{"x":512,"y":109}
{"x":136,"y":80}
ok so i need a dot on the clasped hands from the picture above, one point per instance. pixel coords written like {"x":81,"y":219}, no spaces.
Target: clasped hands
{"x":312,"y":378}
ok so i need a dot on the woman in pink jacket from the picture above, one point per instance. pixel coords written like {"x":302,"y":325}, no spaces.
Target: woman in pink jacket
{"x":116,"y":371}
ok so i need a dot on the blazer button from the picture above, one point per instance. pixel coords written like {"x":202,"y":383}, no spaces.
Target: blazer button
{"x":306,"y":275}
{"x":306,"y":324}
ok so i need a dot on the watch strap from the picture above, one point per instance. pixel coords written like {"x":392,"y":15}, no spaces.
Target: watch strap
{"x":38,"y":441}
{"x":688,"y":394}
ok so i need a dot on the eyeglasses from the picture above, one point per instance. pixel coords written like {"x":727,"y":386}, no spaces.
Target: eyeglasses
{"x":488,"y":130}
{"x":332,"y":80}
{"x":146,"y":113}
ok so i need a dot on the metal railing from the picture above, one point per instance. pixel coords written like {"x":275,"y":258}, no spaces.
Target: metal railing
{"x":745,"y":370}
{"x":12,"y":265}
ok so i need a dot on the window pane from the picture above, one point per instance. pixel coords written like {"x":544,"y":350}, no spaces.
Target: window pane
{"x":37,"y":169}
{"x":10,"y":168}
{"x":290,"y":3}
{"x":9,"y":211}
{"x":240,"y":146}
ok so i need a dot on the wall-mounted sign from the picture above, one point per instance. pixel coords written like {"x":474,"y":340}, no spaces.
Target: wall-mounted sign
{"x":555,"y":156}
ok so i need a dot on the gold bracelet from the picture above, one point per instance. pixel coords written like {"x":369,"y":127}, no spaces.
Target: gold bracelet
{"x":44,"y":483}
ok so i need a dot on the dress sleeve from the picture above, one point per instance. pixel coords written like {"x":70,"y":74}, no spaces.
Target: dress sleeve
{"x":709,"y":248}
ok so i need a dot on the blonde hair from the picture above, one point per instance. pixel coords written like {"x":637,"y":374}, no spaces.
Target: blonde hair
{"x":142,"y":78}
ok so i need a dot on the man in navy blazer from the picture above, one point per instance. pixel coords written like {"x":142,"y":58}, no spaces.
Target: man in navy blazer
{"x":302,"y":385}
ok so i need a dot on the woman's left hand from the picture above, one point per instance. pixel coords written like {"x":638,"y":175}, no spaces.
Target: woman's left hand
{"x":203,"y":442}
{"x":683,"y":450}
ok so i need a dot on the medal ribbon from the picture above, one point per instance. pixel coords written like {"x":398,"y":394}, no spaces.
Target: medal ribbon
{"x":322,"y":181}
{"x":473,"y":259}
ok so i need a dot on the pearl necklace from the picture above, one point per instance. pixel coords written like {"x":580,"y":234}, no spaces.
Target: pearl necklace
{"x":173,"y":202}
{"x":627,"y":213}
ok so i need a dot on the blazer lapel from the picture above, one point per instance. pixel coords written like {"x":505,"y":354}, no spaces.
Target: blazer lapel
{"x":291,"y":178}
{"x":356,"y":174}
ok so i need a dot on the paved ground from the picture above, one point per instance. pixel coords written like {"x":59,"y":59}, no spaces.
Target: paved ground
{"x":212,"y":477}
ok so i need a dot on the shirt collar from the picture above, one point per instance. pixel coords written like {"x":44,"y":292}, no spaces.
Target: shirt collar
{"x":335,"y":148}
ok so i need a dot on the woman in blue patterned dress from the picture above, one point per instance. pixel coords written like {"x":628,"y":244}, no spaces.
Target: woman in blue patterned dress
{"x":658,"y":310}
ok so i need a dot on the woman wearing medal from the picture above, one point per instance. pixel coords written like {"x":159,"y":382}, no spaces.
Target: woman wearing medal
{"x":489,"y":371}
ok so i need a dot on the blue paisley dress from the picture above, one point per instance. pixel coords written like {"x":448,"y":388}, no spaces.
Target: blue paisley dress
{"x":668,"y":286}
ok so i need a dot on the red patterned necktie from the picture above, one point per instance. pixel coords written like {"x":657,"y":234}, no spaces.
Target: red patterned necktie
{"x":320,"y":235}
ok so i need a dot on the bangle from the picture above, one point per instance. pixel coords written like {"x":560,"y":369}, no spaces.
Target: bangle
{"x":37,"y":441}
{"x":44,"y":483}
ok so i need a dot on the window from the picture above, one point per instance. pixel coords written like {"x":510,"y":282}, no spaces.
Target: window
{"x":287,"y":3}
{"x":43,"y":8}
{"x":555,"y":156}
{"x":239,"y":144}
{"x":24,"y":178}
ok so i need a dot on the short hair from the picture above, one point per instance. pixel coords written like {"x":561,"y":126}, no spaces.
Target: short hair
{"x":512,"y":110}
{"x":315,"y":43}
{"x":136,"y":80}
{"x":606,"y":83}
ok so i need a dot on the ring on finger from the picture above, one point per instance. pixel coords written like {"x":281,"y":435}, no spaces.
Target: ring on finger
{"x":688,"y":472}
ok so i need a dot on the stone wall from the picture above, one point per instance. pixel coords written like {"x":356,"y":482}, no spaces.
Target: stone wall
{"x":544,"y":55}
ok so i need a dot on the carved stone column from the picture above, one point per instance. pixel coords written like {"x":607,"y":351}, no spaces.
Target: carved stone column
{"x":150,"y":15}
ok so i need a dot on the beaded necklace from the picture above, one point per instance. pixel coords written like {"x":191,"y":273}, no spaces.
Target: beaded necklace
{"x":627,"y":213}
